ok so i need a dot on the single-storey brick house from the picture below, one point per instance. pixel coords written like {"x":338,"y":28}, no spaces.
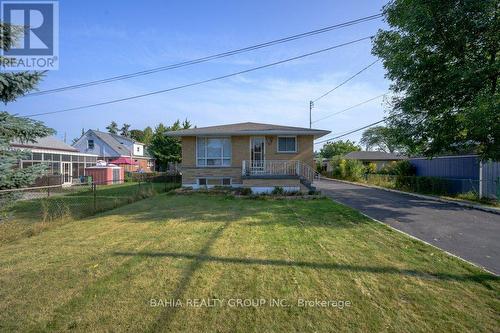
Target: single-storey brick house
{"x":259,"y":156}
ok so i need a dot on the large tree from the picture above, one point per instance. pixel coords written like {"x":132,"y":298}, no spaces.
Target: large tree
{"x":13,"y":85}
{"x":143,"y":136}
{"x":443,"y":60}
{"x":166,"y":148}
{"x":137,"y":134}
{"x":338,"y":148}
{"x":382,"y":138}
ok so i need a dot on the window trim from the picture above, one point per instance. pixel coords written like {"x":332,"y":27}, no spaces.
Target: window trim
{"x":287,"y":151}
{"x":222,"y":157}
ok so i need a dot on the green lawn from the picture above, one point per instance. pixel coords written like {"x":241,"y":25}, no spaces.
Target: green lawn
{"x":30,"y":217}
{"x":104,"y":273}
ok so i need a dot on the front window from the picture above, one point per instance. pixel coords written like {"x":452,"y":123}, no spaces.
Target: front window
{"x":213,"y":151}
{"x":287,"y":144}
{"x":90,"y":144}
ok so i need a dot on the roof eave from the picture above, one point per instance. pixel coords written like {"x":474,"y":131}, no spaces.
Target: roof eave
{"x":316,"y":133}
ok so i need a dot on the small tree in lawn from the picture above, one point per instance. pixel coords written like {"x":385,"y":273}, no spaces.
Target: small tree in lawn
{"x":13,"y":85}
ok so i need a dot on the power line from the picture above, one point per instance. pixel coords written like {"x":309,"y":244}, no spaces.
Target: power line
{"x":350,"y":108}
{"x":208,"y":58}
{"x":200,"y":82}
{"x":352,"y":131}
{"x":344,"y":82}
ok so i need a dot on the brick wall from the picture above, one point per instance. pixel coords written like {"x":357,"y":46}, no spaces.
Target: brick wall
{"x":189,"y":174}
{"x":271,"y":182}
{"x":240,"y":151}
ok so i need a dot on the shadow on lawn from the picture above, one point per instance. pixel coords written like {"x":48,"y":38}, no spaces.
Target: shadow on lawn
{"x":315,"y":265}
{"x":166,"y":315}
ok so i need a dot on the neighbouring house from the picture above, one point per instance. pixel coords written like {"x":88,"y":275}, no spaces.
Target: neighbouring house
{"x":380,"y":158}
{"x":254,"y":155}
{"x":128,"y":153}
{"x":60,"y":158}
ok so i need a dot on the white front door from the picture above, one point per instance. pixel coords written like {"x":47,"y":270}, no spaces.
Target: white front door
{"x":257,"y":154}
{"x":66,"y":172}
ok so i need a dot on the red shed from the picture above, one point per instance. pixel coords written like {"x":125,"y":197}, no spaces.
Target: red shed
{"x":105,"y":175}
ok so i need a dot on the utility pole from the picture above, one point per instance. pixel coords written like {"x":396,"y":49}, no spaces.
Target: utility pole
{"x":311,"y":105}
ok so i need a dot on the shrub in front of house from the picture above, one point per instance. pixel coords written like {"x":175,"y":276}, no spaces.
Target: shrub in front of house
{"x":243,"y":191}
{"x":353,"y":170}
{"x":371,"y":168}
{"x":278,"y":190}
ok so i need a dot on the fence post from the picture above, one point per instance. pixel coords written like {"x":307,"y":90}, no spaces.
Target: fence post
{"x":48,"y":186}
{"x":480,"y":179}
{"x":94,"y":190}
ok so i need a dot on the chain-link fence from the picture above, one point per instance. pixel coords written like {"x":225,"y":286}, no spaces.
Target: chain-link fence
{"x":42,"y":204}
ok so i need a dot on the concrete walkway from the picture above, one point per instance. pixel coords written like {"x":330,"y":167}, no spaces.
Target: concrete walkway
{"x":471,"y":234}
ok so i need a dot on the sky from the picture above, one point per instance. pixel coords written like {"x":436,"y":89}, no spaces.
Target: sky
{"x":99,"y":39}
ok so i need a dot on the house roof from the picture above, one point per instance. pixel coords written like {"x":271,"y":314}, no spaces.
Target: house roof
{"x":249,"y":129}
{"x":116,"y":142}
{"x":48,"y":142}
{"x":373,"y":156}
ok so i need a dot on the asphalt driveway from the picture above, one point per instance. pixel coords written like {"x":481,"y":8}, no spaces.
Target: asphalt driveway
{"x":471,"y":234}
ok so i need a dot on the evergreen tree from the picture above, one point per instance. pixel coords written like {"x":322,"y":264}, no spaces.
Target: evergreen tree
{"x":147,"y":135}
{"x":112,"y":128}
{"x":125,"y":130}
{"x":13,"y":85}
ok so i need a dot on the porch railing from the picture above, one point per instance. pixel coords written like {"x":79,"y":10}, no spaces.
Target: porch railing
{"x":279,"y":168}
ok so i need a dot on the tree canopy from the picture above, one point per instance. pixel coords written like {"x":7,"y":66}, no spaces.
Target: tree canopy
{"x":338,"y":148}
{"x":166,"y":148}
{"x":382,"y":138}
{"x":442,"y":58}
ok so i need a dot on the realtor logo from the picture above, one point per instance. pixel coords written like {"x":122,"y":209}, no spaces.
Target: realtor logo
{"x":37,"y":48}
